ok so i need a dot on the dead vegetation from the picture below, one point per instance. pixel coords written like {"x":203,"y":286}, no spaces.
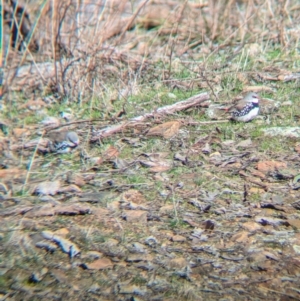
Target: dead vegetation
{"x":163,"y":197}
{"x":95,"y":44}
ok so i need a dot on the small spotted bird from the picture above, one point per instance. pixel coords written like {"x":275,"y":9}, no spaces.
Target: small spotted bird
{"x":63,"y":142}
{"x":246,"y":109}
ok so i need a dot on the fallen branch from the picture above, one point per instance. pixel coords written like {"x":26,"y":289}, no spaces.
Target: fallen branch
{"x":166,"y":110}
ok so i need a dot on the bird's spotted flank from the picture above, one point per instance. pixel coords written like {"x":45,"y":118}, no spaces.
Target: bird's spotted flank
{"x":246,"y":109}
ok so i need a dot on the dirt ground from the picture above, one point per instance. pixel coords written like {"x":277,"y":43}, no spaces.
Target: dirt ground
{"x":162,"y":196}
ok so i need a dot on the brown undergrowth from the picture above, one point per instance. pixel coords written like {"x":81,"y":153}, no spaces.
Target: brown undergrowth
{"x":163,"y":197}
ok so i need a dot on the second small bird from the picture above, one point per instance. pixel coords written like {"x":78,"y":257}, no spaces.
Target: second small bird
{"x":63,"y":142}
{"x":246,"y":109}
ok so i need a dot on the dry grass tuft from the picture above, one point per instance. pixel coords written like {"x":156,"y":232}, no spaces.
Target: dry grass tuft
{"x":96,"y":44}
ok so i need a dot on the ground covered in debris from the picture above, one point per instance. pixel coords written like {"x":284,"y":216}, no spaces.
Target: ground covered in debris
{"x":164,"y":197}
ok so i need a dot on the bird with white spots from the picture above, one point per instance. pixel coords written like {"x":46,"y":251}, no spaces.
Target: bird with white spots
{"x":246,"y":109}
{"x":63,"y":142}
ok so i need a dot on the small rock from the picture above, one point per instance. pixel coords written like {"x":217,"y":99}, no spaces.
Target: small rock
{"x":75,"y":179}
{"x":95,"y":288}
{"x":268,"y":106}
{"x":215,"y":111}
{"x":178,"y":238}
{"x":111,"y":242}
{"x":287,"y":103}
{"x":151,"y":241}
{"x":50,"y":121}
{"x":172,"y":95}
{"x":253,"y":49}
{"x":100,"y":264}
{"x":178,"y":263}
{"x":19,"y":132}
{"x":245,"y":143}
{"x":206,"y":149}
{"x":47,"y":188}
{"x":136,"y":216}
{"x":62,"y":232}
{"x":166,"y":209}
{"x":256,"y":190}
{"x":296,"y":249}
{"x":137,"y":248}
{"x":36,"y":277}
{"x":251,"y":226}
{"x":293,"y":132}
{"x":241,"y":237}
{"x":115,"y":205}
{"x":134,"y":196}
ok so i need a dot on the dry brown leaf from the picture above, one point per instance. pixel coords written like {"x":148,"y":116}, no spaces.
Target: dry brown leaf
{"x":75,"y":179}
{"x":251,"y":226}
{"x":295,"y":223}
{"x":166,"y":209}
{"x":70,"y":188}
{"x":166,"y":130}
{"x":297,"y":148}
{"x":50,"y":121}
{"x":111,"y":152}
{"x":259,"y":174}
{"x":133,"y":195}
{"x":62,"y":232}
{"x":191,"y":223}
{"x":178,"y":263}
{"x":136,"y":216}
{"x":265,"y":166}
{"x":96,"y":161}
{"x":253,"y":49}
{"x":256,"y":190}
{"x":241,"y":237}
{"x":100,"y":213}
{"x":100,"y":264}
{"x":18,"y":132}
{"x":11,"y":173}
{"x":157,"y":165}
{"x":178,"y":238}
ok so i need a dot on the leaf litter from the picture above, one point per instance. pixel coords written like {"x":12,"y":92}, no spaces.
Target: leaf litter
{"x":166,"y":203}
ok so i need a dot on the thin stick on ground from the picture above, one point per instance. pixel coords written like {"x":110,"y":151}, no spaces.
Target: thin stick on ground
{"x":166,"y":110}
